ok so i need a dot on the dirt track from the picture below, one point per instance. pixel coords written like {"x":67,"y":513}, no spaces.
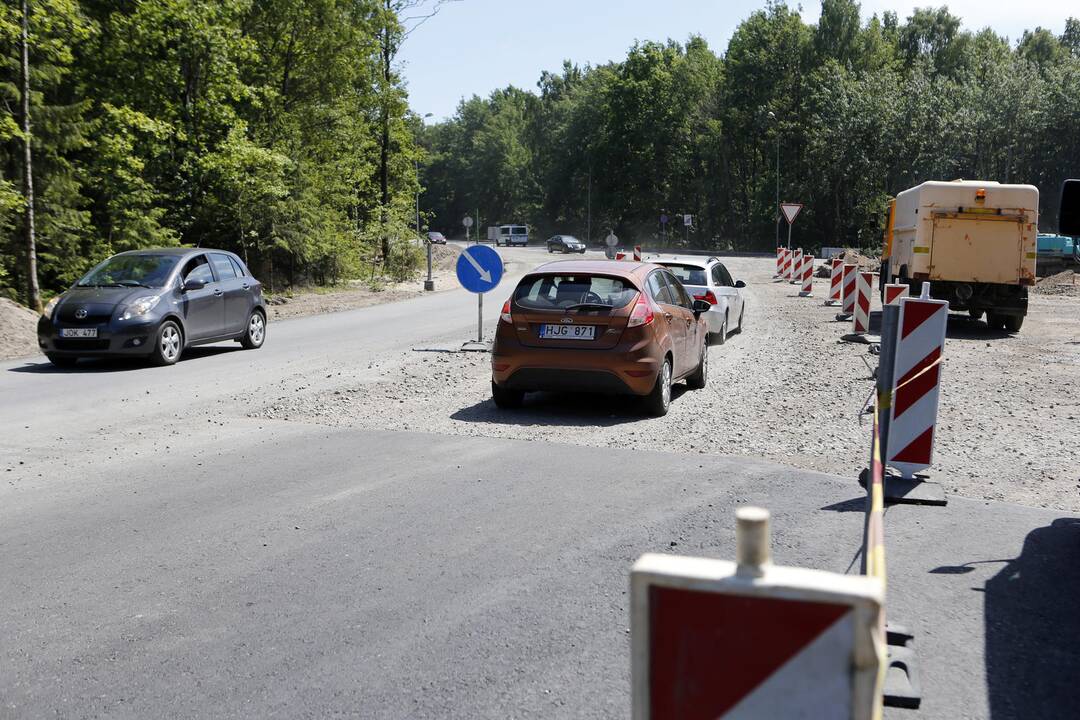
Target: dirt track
{"x":785,"y":390}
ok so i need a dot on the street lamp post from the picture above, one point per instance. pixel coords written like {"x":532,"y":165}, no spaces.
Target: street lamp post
{"x":776,"y":209}
{"x":429,"y":284}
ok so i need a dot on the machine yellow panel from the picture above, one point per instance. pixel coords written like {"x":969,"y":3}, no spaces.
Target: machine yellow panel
{"x":972,"y":249}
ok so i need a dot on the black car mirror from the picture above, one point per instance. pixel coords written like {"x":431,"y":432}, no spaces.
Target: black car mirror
{"x":701,"y":306}
{"x":1069,"y":211}
{"x":193,"y":284}
{"x":740,"y":284}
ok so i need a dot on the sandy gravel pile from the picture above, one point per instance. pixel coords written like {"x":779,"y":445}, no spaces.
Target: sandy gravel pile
{"x":1063,"y":283}
{"x":18,"y":330}
{"x":784,"y":390}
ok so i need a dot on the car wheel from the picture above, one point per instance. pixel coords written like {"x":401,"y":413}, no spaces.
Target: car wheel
{"x":506,"y":399}
{"x":62,"y":361}
{"x":256,"y":331}
{"x":701,"y":375}
{"x":659,"y":400}
{"x":738,"y":330}
{"x":551,"y":250}
{"x":721,"y":337}
{"x":1013,"y":323}
{"x":168,"y":345}
{"x":975,"y":314}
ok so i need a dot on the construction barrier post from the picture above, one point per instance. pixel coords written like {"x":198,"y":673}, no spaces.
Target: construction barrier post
{"x":796,"y":267}
{"x":864,"y":283}
{"x":779,"y":262}
{"x":848,"y":282}
{"x":893,"y":293}
{"x":835,"y":281}
{"x":807,"y":276}
{"x":637,"y":253}
{"x":720,"y":639}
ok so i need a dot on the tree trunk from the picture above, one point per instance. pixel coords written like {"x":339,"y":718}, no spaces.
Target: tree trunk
{"x":33,"y":291}
{"x":384,"y":145}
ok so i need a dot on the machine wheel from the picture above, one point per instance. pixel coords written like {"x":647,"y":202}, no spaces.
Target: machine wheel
{"x":168,"y":344}
{"x":995,"y":321}
{"x":1013,"y":323}
{"x":659,"y":400}
{"x":506,"y":399}
{"x":701,"y":375}
{"x":975,"y":314}
{"x":256,"y":331}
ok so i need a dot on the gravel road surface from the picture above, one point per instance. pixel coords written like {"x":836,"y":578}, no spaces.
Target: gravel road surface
{"x":785,"y":389}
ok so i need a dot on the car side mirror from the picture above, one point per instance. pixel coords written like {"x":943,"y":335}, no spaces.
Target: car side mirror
{"x":193,"y":285}
{"x":1069,"y":211}
{"x":701,"y":306}
{"x":740,"y":284}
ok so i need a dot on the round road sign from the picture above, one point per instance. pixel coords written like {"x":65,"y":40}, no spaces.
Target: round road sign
{"x":467,"y":221}
{"x":611,"y":240}
{"x":479,"y":268}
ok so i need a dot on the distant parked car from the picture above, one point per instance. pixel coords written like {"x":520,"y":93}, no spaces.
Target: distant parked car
{"x":707,"y":279}
{"x":565,"y":244}
{"x":599,"y":326}
{"x":154,"y":304}
{"x":436,"y":238}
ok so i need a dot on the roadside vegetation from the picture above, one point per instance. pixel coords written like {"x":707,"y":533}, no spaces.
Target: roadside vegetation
{"x":278,"y":129}
{"x":858,"y":109}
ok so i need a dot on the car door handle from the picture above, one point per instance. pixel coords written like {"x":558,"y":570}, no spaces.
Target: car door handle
{"x":217,"y":291}
{"x":245,"y":286}
{"x":668,"y":316}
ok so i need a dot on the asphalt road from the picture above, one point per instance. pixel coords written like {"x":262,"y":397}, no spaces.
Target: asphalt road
{"x":164,"y":558}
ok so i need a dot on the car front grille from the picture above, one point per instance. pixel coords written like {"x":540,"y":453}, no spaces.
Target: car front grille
{"x":80,"y":344}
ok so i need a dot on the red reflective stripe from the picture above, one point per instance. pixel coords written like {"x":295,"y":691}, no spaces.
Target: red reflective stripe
{"x":909,"y":391}
{"x":708,"y":651}
{"x":918,"y":450}
{"x":864,"y":303}
{"x":916,"y":313}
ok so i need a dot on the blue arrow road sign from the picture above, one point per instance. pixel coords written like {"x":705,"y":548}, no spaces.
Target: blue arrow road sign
{"x":479,"y":268}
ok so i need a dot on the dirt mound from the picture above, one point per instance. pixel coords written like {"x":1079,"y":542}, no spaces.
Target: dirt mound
{"x":444,"y":257}
{"x":18,"y":330}
{"x":865,"y":263}
{"x":1063,"y":283}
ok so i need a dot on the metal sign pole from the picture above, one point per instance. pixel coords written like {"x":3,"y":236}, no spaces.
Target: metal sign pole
{"x":480,"y":317}
{"x":789,"y":235}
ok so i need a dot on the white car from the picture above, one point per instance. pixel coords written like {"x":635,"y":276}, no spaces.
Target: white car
{"x":707,"y":279}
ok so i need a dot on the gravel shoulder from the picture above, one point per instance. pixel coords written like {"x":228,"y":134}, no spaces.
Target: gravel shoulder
{"x":18,"y":330}
{"x":785,"y":390}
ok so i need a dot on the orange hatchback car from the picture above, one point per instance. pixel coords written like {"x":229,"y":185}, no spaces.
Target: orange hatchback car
{"x":599,"y":326}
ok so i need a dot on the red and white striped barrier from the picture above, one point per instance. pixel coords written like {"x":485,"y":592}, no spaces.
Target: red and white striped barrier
{"x":807,"y":276}
{"x":789,"y":256}
{"x":894,"y":292}
{"x":779,"y":262}
{"x":637,"y":253}
{"x":717,"y":639}
{"x":835,"y":278}
{"x":796,"y":267}
{"x":620,"y":255}
{"x":917,"y":369}
{"x":864,"y":284}
{"x":848,"y":281}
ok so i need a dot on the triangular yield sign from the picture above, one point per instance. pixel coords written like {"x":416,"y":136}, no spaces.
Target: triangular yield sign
{"x":791,"y":210}
{"x":709,"y":651}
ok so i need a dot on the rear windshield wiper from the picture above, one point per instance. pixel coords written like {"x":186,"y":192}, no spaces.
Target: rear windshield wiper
{"x":599,"y":306}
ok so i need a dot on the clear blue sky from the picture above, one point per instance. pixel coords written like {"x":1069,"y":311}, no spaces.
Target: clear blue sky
{"x":475,"y":46}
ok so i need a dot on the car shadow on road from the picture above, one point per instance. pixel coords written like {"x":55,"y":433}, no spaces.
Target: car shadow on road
{"x":1032,"y":622}
{"x":564,"y":410}
{"x":117,"y":364}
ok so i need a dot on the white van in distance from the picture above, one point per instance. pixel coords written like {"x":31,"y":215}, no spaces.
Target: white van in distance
{"x":508,"y":234}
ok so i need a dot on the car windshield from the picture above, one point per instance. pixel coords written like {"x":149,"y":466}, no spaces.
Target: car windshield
{"x":142,"y":270}
{"x":687,"y":274}
{"x":435,"y":235}
{"x":559,"y":292}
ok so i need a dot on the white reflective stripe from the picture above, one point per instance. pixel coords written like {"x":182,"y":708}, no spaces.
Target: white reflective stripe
{"x":815,"y":683}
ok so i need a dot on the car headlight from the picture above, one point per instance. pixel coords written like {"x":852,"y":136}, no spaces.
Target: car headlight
{"x":140,"y":306}
{"x":50,"y":306}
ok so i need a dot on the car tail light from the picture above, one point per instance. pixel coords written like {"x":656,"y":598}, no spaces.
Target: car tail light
{"x":707,"y":297}
{"x":505,"y":315}
{"x":642,"y":313}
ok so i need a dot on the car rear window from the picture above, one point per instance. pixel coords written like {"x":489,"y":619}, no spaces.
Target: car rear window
{"x":552,"y":292}
{"x":687,"y":274}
